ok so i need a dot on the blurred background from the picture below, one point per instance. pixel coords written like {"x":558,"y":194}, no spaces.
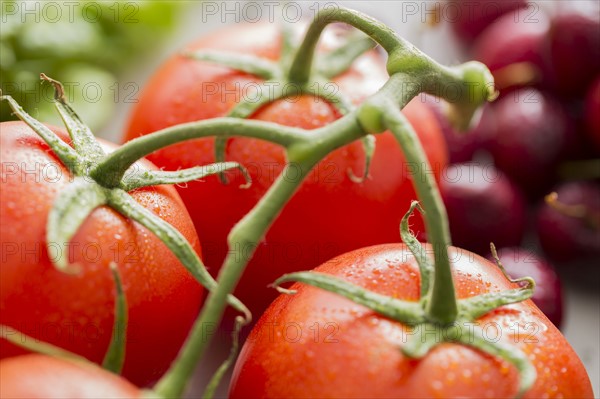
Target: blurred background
{"x":541,"y":135}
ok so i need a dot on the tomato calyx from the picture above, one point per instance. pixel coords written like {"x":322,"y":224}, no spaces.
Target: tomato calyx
{"x":88,"y":192}
{"x":279,"y":83}
{"x":430,"y":332}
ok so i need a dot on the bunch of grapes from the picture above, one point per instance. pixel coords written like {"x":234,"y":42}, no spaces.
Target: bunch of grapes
{"x":534,"y":152}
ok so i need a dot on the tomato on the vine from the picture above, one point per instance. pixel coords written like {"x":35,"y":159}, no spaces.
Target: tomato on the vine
{"x":318,"y":344}
{"x":76,"y":311}
{"x":307,"y":232}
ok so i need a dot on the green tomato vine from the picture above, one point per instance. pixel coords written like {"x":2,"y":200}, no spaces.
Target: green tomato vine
{"x":107,"y":182}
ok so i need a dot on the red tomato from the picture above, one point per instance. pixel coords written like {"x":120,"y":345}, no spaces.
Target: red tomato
{"x":307,"y":231}
{"x":318,"y":344}
{"x":37,"y":376}
{"x":76,"y":311}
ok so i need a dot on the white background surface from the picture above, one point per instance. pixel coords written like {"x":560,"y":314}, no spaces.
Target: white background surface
{"x":582,"y":322}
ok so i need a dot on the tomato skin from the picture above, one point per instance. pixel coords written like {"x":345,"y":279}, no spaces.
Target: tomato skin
{"x":356,"y":352}
{"x":306,"y":233}
{"x":37,"y":376}
{"x":76,"y":311}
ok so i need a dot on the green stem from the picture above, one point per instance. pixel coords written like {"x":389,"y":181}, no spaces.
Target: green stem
{"x":426,"y":269}
{"x":510,"y":353}
{"x":214,"y":382}
{"x":260,"y":67}
{"x":70,"y":209}
{"x":477,"y":306}
{"x":302,"y":64}
{"x":368,"y":143}
{"x":339,"y":60}
{"x":173,"y":239}
{"x":441,"y":306}
{"x":243,"y":240}
{"x":34,"y":345}
{"x":110,"y":171}
{"x":403,"y":311}
{"x":115,"y":355}
{"x":154,"y":178}
{"x":465,"y":87}
{"x":287,"y":44}
{"x":418,"y":343}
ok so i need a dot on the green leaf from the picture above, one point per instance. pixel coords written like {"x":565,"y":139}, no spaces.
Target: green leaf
{"x":368,"y":143}
{"x":84,"y":140}
{"x":214,"y":382}
{"x":115,"y":355}
{"x":339,"y":60}
{"x":395,"y":309}
{"x":153,"y":178}
{"x":70,"y":209}
{"x":31,"y":344}
{"x":257,"y":66}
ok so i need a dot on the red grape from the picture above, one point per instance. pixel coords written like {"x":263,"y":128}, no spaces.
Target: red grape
{"x":483,"y":206}
{"x":515,"y":49}
{"x":472,"y":17}
{"x":574,"y":50}
{"x":533,"y":134}
{"x":573,"y":232}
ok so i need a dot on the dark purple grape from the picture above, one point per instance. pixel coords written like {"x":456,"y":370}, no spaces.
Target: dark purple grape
{"x":547,"y":295}
{"x":574,"y":49}
{"x":592,"y":113}
{"x":515,"y":49}
{"x":472,"y":17}
{"x":483,"y":206}
{"x":533,"y":134}
{"x":573,"y":231}
{"x":462,"y":146}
